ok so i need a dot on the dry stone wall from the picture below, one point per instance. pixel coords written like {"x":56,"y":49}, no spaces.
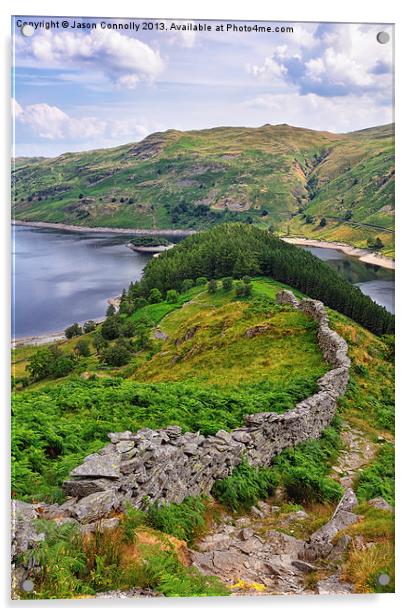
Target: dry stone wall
{"x":166,"y":466}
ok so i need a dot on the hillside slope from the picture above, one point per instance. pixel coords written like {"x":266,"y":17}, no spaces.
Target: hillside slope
{"x":282,"y":176}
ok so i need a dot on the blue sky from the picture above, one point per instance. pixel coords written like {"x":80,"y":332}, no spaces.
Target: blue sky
{"x":84,"y":89}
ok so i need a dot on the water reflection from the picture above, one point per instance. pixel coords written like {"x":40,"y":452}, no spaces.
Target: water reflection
{"x":373,"y":280}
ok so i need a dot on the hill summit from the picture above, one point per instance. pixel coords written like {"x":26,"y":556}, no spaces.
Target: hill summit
{"x":298,"y":181}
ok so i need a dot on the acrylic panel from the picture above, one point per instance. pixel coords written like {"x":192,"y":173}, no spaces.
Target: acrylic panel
{"x":203,"y":308}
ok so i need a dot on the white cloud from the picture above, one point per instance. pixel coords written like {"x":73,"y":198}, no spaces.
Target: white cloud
{"x":334,"y":114}
{"x":183,"y":38}
{"x":123,"y":59}
{"x":331,"y":60}
{"x":52,"y":123}
{"x":269,"y":69}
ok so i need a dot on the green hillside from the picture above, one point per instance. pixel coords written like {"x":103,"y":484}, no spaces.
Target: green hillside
{"x":280,"y":176}
{"x":200,"y":342}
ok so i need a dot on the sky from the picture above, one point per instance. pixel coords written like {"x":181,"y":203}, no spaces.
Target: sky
{"x":84,"y":88}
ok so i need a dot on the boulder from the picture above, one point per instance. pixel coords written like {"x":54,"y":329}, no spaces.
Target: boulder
{"x":95,"y":506}
{"x":380,"y":503}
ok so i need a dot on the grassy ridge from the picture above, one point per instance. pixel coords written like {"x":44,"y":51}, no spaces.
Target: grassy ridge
{"x":272,"y":175}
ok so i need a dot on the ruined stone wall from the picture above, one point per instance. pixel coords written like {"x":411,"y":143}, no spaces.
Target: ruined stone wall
{"x":167,"y":466}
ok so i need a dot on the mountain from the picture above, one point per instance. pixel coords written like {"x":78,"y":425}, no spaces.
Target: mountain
{"x":338,"y":187}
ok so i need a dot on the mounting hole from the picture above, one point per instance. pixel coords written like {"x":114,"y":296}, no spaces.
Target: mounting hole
{"x":27,"y":30}
{"x":382,"y":38}
{"x":384,"y":579}
{"x":27,"y":585}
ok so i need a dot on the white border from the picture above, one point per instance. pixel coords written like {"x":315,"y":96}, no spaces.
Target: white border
{"x":373,"y":11}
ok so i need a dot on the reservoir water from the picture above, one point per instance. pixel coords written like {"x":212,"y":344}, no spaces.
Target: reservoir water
{"x":373,"y":280}
{"x":60,"y":278}
{"x":63,"y":277}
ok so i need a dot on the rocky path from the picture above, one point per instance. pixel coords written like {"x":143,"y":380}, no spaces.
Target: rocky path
{"x":259,"y":554}
{"x":272,"y":552}
{"x":357,"y":451}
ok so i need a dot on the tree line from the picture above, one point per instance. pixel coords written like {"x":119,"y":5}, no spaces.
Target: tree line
{"x":238,"y":250}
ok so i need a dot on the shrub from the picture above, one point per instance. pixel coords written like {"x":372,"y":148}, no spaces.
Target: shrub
{"x":73,"y":330}
{"x":116,"y":355}
{"x":127,"y":329}
{"x":184,"y":520}
{"x":155,"y":296}
{"x":245,"y":486}
{"x":111,"y":328}
{"x":89,"y":326}
{"x":201,"y":280}
{"x":243,"y":289}
{"x":83,"y":348}
{"x":62,"y":560}
{"x":70,"y":566}
{"x":212,"y":286}
{"x":227,"y":283}
{"x":50,"y":361}
{"x":111,"y":310}
{"x":172,"y":296}
{"x":162,"y":571}
{"x":304,"y":485}
{"x":304,"y":469}
{"x":99,"y":341}
{"x":187,"y":284}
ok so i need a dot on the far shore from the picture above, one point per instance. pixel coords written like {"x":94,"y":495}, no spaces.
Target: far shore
{"x":58,"y":226}
{"x":363,"y":255}
{"x":360,"y":253}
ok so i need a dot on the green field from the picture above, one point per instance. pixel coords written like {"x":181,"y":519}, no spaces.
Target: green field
{"x":293,"y":180}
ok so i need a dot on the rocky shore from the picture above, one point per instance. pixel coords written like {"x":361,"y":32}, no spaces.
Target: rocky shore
{"x":363,"y":255}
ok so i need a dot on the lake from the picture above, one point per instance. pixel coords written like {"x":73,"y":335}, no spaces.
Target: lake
{"x":63,"y":277}
{"x":60,"y":278}
{"x":373,"y":280}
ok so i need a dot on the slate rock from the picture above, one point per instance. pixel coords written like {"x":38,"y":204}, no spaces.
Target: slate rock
{"x":84,"y":487}
{"x":99,"y":466}
{"x":95,"y":506}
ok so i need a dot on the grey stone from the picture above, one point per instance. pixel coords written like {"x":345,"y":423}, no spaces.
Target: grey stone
{"x":304,"y":566}
{"x":84,"y":487}
{"x":116,"y":437}
{"x":380,"y":503}
{"x":334,"y":586}
{"x":99,"y":466}
{"x":245,"y":534}
{"x":95,"y":506}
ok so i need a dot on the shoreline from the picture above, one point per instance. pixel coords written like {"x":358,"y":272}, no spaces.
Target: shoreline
{"x":36,"y":340}
{"x":50,"y":337}
{"x":362,"y":254}
{"x":116,"y":231}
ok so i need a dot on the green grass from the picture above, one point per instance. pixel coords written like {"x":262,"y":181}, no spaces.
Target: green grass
{"x":378,"y":478}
